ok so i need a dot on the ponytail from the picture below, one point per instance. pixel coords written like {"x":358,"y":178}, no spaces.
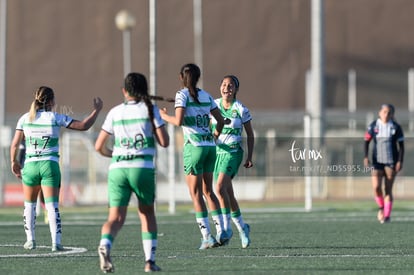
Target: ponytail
{"x":190,"y":74}
{"x":136,"y":86}
{"x":42,"y":100}
{"x":150,"y":108}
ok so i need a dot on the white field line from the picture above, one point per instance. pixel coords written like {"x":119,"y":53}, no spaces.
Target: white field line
{"x":302,"y":256}
{"x":68,"y":251}
{"x":315,"y":256}
{"x":265,"y":217}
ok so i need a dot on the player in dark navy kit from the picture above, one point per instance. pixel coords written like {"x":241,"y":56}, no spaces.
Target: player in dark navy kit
{"x":387,"y":157}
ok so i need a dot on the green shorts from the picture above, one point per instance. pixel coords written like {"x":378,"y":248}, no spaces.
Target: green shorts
{"x":43,"y":172}
{"x":199,"y":159}
{"x":228,"y":163}
{"x":122,"y":182}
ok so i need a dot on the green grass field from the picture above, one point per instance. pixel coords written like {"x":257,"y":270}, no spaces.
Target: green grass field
{"x":334,"y":238}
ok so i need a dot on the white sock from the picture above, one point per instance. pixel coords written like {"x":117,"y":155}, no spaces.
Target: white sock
{"x":238,"y":221}
{"x":55,"y":224}
{"x":105,"y":242}
{"x":218,"y":222}
{"x":38,"y":207}
{"x":226,"y":221}
{"x":204,"y":226}
{"x":29,"y":218}
{"x":150,"y":246}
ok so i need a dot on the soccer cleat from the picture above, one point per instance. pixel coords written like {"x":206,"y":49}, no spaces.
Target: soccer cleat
{"x":150,"y":266}
{"x":209,"y":243}
{"x":229,"y":233}
{"x":380,"y":215}
{"x":223,"y":238}
{"x":105,"y":259}
{"x":29,"y":245}
{"x":387,"y":220}
{"x":244,"y":236}
{"x":57,"y":247}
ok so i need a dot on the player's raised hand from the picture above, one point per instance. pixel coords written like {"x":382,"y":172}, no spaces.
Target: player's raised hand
{"x":97,"y":103}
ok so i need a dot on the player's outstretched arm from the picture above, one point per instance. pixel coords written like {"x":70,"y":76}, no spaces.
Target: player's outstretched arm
{"x":87,"y":122}
{"x":176,"y":119}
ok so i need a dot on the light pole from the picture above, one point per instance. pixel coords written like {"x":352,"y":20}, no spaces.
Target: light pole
{"x":198,"y":36}
{"x":3,"y":30}
{"x":125,"y":21}
{"x":153,"y":46}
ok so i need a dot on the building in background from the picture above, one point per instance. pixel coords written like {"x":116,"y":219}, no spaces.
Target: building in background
{"x":75,"y":47}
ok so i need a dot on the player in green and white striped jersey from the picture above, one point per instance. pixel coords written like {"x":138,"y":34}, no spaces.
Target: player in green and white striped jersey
{"x":230,"y":154}
{"x":193,"y":107}
{"x":136,"y":126}
{"x":40,"y":128}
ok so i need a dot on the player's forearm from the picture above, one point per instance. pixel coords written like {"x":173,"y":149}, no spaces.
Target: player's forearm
{"x":14,"y":147}
{"x":366,"y":148}
{"x":13,"y":153}
{"x":171,"y":120}
{"x":105,"y":151}
{"x":90,"y":120}
{"x":250,"y":147}
{"x":401,"y":152}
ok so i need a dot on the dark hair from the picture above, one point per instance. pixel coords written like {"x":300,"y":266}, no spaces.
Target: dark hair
{"x":190,"y":74}
{"x":42,"y":99}
{"x":136,"y":86}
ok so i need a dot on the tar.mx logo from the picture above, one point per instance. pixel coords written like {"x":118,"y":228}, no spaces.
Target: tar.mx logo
{"x":63,"y":109}
{"x":303,"y":153}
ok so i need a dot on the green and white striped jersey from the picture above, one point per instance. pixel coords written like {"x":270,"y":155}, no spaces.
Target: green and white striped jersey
{"x":196,"y":123}
{"x":230,"y":139}
{"x":134,"y":141}
{"x":42,"y":134}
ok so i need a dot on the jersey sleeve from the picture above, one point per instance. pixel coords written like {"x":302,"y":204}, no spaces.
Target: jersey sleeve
{"x":246,"y":116}
{"x":400,"y":134}
{"x":63,"y":120}
{"x":107,"y":126}
{"x":20,"y":122}
{"x":158,"y":121}
{"x":369,"y":133}
{"x":180,"y":99}
{"x":213,"y":103}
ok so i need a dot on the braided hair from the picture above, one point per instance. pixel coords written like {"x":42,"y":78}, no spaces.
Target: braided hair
{"x":136,"y":86}
{"x":42,"y":100}
{"x":190,"y":74}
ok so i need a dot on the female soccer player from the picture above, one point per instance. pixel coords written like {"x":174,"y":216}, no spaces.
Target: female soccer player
{"x":136,"y":126}
{"x":192,"y":111}
{"x":387,"y":158}
{"x":40,"y":128}
{"x":230,"y":154}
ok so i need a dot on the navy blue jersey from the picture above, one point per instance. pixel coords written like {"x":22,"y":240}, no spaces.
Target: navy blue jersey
{"x":386,"y":137}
